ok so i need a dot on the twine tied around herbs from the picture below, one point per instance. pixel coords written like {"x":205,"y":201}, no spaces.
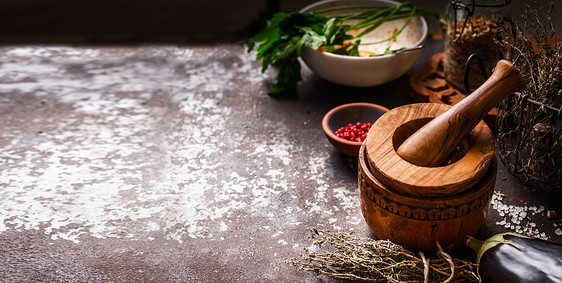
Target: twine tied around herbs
{"x":354,"y":258}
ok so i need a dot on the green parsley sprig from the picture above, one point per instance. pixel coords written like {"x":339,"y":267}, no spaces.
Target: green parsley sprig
{"x":280,"y":44}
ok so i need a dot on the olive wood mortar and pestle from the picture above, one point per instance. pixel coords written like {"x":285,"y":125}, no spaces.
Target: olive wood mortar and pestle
{"x":427,"y":171}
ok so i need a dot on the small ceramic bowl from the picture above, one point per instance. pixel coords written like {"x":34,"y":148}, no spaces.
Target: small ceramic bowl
{"x":368,"y":71}
{"x":346,"y":114}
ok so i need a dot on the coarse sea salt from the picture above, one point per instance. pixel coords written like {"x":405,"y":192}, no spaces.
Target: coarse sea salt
{"x":519,"y":218}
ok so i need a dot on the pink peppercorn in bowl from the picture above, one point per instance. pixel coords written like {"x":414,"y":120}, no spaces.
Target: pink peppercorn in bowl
{"x":350,"y":115}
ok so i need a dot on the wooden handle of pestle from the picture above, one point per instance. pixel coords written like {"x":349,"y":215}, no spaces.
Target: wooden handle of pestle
{"x":432,"y":144}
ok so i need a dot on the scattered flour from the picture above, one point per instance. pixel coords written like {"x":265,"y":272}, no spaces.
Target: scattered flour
{"x":135,"y":153}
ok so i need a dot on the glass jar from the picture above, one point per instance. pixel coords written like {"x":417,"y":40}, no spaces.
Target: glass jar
{"x":471,"y":28}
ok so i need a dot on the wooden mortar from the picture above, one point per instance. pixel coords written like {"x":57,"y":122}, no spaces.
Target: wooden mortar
{"x":389,"y":131}
{"x":410,"y":194}
{"x":417,"y":223}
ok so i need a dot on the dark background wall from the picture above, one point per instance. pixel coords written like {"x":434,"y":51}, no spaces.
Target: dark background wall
{"x":159,"y":20}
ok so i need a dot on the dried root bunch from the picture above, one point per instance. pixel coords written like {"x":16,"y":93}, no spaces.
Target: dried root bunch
{"x":533,"y":47}
{"x":354,"y":258}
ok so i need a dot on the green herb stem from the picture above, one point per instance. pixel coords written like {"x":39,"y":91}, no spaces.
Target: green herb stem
{"x":393,"y":37}
{"x":343,"y":8}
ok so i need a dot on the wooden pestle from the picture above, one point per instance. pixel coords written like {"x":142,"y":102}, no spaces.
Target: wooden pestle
{"x":432,"y":144}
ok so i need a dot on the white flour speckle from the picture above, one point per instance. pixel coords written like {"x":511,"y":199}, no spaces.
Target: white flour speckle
{"x":131,"y":147}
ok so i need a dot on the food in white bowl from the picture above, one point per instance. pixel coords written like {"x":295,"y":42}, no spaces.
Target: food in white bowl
{"x":373,"y":67}
{"x":330,"y":42}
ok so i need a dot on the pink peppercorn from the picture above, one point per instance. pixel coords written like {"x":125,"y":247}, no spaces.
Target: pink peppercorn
{"x":354,"y":132}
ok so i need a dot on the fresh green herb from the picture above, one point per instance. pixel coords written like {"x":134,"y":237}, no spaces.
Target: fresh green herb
{"x":281,"y":42}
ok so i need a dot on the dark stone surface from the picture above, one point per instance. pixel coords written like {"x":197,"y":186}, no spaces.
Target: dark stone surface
{"x":172,"y":164}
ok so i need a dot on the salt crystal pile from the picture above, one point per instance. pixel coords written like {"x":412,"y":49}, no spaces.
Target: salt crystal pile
{"x":518,"y":218}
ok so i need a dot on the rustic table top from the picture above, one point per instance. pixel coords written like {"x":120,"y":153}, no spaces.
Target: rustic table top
{"x":171,"y":163}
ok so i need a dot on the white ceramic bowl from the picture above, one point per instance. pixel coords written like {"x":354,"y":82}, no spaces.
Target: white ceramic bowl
{"x":367,"y":71}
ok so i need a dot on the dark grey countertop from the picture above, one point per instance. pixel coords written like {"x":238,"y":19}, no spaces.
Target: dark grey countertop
{"x":170,"y":163}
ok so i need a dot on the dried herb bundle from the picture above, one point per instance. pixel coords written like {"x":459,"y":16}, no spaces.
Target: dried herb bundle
{"x":533,"y":47}
{"x":529,"y":126}
{"x":366,"y":259}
